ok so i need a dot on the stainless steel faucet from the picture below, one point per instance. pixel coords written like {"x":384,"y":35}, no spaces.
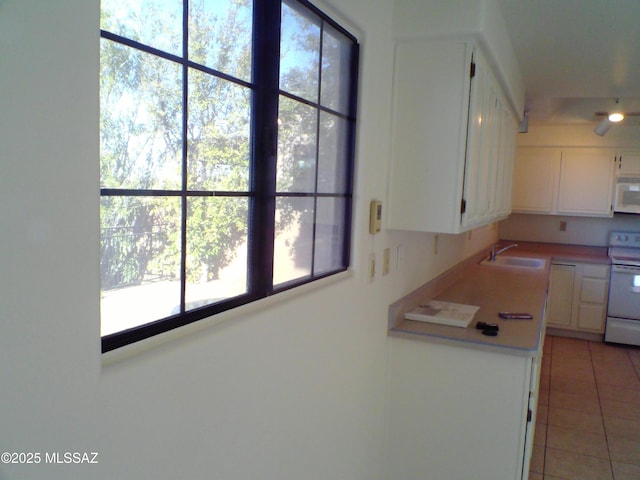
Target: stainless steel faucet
{"x":495,"y":253}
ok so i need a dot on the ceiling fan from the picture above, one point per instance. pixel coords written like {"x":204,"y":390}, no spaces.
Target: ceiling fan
{"x":610,"y":118}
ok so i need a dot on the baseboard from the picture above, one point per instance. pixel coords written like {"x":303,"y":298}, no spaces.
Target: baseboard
{"x":561,"y":332}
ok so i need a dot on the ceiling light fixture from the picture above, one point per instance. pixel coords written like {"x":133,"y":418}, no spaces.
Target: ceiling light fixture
{"x":609,"y":119}
{"x":617,"y":114}
{"x":603,"y":127}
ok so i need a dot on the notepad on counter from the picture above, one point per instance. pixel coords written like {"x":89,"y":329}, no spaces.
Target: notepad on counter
{"x":444,"y":313}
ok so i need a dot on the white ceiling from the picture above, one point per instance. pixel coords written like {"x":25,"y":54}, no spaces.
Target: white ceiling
{"x":576,"y":56}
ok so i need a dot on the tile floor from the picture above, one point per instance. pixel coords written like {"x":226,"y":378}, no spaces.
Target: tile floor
{"x":588,"y":421}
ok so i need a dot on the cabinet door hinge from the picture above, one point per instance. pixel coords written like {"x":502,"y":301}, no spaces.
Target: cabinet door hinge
{"x":463,"y":206}
{"x":472,"y":70}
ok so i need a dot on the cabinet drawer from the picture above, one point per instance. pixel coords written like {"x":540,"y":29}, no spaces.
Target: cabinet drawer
{"x":595,"y":271}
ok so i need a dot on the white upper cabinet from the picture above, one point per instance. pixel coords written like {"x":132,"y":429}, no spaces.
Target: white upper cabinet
{"x":535,"y":179}
{"x":452,"y":141}
{"x":479,"y":147}
{"x":628,"y":163}
{"x":586,"y":183}
{"x":489,"y":155}
{"x":431,"y":95}
{"x":507,"y":158}
{"x":569,"y":181}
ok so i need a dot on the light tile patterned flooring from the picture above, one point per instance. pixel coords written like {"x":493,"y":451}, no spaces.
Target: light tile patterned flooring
{"x":588,"y":420}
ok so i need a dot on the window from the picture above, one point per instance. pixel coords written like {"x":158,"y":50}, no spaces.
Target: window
{"x":227,"y":144}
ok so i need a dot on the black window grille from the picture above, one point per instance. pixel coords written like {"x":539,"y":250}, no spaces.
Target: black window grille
{"x":227,"y":156}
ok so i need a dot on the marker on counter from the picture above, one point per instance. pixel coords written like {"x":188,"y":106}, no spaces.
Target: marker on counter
{"x":515,"y":316}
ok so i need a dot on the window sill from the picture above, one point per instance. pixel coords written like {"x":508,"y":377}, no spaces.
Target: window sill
{"x":236,"y":314}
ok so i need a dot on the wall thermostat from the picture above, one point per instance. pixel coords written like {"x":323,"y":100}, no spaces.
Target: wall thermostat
{"x":375,"y":217}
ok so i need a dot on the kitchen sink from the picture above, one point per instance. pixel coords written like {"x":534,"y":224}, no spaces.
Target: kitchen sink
{"x":516,"y":262}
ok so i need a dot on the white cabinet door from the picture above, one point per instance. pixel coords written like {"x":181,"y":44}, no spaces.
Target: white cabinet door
{"x":447,"y":138}
{"x":592,"y":317}
{"x":480,"y":160}
{"x":507,"y":159}
{"x":431,"y":107}
{"x":505,"y":162}
{"x":578,"y":297}
{"x":558,"y":181}
{"x":491,"y":151}
{"x":475,"y":159}
{"x":591,"y":312}
{"x":629,"y":163}
{"x":586,"y":182}
{"x":493,"y":116}
{"x":560,"y":299}
{"x":489,"y":167}
{"x":535,"y":179}
{"x":457,"y":413}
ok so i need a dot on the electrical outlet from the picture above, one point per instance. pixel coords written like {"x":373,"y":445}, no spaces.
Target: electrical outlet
{"x":563,"y":226}
{"x":386,"y":261}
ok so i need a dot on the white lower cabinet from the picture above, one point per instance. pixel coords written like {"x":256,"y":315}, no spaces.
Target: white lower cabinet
{"x":578,"y":297}
{"x":460,"y":413}
{"x":560,"y":298}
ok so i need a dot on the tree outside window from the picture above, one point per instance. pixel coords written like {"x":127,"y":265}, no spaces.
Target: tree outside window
{"x":185,"y":220}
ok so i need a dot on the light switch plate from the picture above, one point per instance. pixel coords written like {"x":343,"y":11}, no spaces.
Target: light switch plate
{"x":375,"y":217}
{"x":386,"y":261}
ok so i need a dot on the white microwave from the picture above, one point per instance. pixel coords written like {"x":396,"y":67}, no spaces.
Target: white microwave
{"x":627,"y":196}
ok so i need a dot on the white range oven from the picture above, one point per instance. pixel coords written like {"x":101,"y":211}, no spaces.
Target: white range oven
{"x":623,"y":310}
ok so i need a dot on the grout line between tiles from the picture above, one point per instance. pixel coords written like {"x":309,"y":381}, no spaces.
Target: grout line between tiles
{"x":553,"y":354}
{"x":604,"y":427}
{"x":546,"y":420}
{"x":633,"y":365}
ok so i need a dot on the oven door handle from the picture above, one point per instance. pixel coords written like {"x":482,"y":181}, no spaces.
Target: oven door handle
{"x":625,"y":269}
{"x":618,"y":271}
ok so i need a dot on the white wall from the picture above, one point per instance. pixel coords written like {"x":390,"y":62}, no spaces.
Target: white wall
{"x":590,"y":231}
{"x":579,"y":135}
{"x":288,"y":388}
{"x":477,"y":20}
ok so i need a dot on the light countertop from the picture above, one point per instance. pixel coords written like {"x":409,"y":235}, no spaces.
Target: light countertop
{"x":493,"y":289}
